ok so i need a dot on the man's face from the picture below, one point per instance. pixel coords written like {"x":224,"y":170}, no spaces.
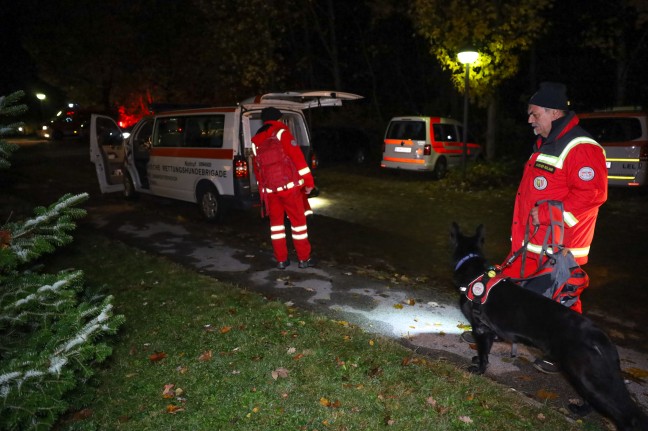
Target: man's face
{"x":540,"y":119}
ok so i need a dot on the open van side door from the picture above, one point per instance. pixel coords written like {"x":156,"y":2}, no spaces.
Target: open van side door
{"x":107,"y":153}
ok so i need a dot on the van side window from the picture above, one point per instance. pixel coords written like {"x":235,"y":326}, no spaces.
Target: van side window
{"x":445,"y":133}
{"x":204,"y":131}
{"x":169,"y":132}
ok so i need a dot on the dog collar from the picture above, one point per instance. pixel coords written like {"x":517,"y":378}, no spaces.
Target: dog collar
{"x":464,"y":259}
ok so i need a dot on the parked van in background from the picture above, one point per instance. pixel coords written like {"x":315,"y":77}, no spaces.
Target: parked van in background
{"x":623,"y":133}
{"x":431,"y":144}
{"x":197,"y":155}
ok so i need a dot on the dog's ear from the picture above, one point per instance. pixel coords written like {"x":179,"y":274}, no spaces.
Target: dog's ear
{"x":479,"y":235}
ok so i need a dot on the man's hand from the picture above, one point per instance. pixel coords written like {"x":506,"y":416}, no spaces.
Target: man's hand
{"x":307,"y":190}
{"x":534,"y":216}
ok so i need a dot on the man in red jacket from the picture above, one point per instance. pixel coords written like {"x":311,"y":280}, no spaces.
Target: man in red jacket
{"x":568,"y":166}
{"x":282,"y":172}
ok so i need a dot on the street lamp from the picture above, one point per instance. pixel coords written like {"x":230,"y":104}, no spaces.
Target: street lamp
{"x":467,"y":57}
{"x":41,"y":97}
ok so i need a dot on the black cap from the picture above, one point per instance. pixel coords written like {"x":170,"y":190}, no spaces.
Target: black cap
{"x":270,"y":113}
{"x":551,"y":95}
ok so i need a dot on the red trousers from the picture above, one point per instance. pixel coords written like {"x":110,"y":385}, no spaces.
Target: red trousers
{"x":291,"y":203}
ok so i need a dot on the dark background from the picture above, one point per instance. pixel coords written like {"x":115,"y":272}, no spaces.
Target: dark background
{"x":107,"y":55}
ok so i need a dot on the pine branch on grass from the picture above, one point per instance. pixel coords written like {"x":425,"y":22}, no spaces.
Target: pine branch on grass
{"x":50,"y":337}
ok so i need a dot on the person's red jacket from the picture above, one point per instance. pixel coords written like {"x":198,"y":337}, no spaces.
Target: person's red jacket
{"x":291,"y":148}
{"x":568,"y":166}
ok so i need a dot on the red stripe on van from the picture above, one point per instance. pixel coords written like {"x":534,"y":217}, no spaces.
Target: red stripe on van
{"x":194,"y":153}
{"x":400,"y":160}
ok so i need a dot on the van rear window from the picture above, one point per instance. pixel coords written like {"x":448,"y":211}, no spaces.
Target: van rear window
{"x":414,"y":130}
{"x":612,"y":129}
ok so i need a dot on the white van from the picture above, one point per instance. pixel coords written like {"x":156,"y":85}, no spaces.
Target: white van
{"x":198,"y":155}
{"x":623,"y":133}
{"x":422,"y":143}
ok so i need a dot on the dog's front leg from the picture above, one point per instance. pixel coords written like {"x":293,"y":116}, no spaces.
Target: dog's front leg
{"x":484,"y":338}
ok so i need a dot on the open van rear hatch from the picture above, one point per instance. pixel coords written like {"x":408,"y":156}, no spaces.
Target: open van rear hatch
{"x":301,"y":99}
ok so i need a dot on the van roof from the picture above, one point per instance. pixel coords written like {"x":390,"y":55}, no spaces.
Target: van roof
{"x":442,"y":120}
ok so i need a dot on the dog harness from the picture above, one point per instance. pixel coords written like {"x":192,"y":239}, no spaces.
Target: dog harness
{"x":477,"y":290}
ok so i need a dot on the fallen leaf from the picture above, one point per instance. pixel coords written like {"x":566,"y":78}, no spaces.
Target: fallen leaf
{"x":279,"y":372}
{"x":225,"y":329}
{"x":291,"y":351}
{"x":465,"y":419}
{"x":157,"y":356}
{"x":431,"y":401}
{"x":541,"y":416}
{"x":325,"y":402}
{"x":410,"y":301}
{"x":82,"y":415}
{"x":181,"y":369}
{"x":636,"y":374}
{"x":168,"y":391}
{"x":398,"y":306}
{"x":298,"y":357}
{"x":371,"y":342}
{"x":205,"y":356}
{"x":546,"y":395}
{"x":464,"y":327}
{"x":173,"y":409}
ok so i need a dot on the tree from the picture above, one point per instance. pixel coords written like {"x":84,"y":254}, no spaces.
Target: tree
{"x":618,"y":31}
{"x":51,"y":330}
{"x":499,"y":30}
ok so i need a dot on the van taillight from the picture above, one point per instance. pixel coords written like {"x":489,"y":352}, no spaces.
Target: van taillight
{"x":240,"y":167}
{"x":427,"y":150}
{"x":643,"y":153}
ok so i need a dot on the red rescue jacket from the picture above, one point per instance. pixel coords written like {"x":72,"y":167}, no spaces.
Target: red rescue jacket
{"x":303,"y":175}
{"x":567,"y":166}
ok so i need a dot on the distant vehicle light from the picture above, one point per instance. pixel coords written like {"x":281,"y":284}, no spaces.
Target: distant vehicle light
{"x":126,"y":135}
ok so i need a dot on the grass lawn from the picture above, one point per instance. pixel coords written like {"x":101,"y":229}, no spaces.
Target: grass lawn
{"x":199,"y":354}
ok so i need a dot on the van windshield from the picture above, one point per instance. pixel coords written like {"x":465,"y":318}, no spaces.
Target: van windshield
{"x":612,"y":129}
{"x":414,"y":130}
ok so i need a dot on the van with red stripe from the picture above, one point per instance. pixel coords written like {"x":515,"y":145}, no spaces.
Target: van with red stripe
{"x":623,"y":134}
{"x":197,"y":155}
{"x":431,"y":144}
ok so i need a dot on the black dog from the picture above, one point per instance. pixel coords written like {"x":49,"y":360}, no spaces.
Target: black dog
{"x":584,"y":352}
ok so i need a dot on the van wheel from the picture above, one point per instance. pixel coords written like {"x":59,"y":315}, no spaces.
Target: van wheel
{"x":129,"y":186}
{"x":360,"y":156}
{"x":440,"y":169}
{"x":210,"y":204}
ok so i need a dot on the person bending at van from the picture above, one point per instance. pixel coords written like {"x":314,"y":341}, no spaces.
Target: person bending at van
{"x":566,"y":166}
{"x":282,"y":172}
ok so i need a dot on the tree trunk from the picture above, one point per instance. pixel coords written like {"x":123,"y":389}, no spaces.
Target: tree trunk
{"x":491,"y":129}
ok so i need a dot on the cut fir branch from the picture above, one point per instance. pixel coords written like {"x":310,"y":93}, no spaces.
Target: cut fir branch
{"x":51,"y":338}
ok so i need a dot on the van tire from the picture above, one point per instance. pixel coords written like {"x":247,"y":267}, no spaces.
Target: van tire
{"x":210,"y":204}
{"x":440,"y":168}
{"x":129,"y":186}
{"x":360,"y":156}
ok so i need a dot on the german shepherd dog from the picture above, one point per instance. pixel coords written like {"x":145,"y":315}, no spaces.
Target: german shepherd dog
{"x":584,"y":353}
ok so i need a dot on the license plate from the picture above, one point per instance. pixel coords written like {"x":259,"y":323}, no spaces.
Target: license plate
{"x":403,"y":149}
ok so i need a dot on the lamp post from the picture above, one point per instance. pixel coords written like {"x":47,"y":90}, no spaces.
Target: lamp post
{"x":41,"y":97}
{"x":467,"y":57}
